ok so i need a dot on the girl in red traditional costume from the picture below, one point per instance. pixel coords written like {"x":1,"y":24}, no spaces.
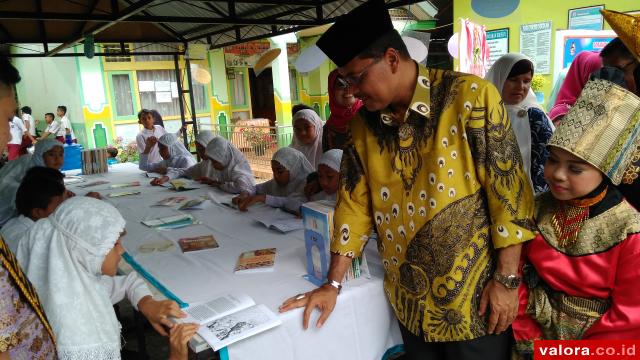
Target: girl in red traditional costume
{"x":581,"y":272}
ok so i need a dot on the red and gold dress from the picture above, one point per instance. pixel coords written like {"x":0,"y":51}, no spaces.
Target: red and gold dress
{"x":588,"y":288}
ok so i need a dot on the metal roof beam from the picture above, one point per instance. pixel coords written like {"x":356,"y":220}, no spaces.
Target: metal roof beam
{"x":41,"y":30}
{"x":128,"y":12}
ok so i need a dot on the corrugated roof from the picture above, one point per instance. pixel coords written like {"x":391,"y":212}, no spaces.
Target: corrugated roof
{"x":217,"y":22}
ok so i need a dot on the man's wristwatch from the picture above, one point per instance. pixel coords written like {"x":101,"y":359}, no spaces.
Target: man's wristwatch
{"x":334,"y":284}
{"x":510,"y":281}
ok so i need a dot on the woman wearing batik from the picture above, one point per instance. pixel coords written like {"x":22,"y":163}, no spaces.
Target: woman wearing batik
{"x":343,"y":106}
{"x":172,"y":151}
{"x":512,"y":75}
{"x":581,"y":272}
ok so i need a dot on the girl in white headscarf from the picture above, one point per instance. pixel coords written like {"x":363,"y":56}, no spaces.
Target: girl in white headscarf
{"x":328,"y":175}
{"x":172,"y":151}
{"x":47,"y":152}
{"x":307,"y":131}
{"x":286,"y":190}
{"x":234,"y":175}
{"x":512,"y":75}
{"x":71,"y":258}
{"x":203,"y":169}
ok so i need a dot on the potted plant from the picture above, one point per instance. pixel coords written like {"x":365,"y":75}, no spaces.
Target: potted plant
{"x":257,"y":139}
{"x":126,"y":152}
{"x":537,"y":84}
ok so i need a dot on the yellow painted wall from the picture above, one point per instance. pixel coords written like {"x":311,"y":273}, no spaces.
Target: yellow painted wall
{"x":532,"y":11}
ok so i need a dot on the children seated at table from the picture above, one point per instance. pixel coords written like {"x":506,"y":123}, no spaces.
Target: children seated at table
{"x":149,"y":130}
{"x":39,"y":194}
{"x":203,"y":169}
{"x":65,"y":256}
{"x":328,"y":175}
{"x":172,"y":151}
{"x":234,"y":173}
{"x":47,"y":152}
{"x":286,"y":190}
{"x":53,"y":128}
{"x":307,"y":135}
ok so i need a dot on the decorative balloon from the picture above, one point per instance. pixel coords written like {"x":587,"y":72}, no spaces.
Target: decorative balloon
{"x":417,"y":49}
{"x":453,"y":45}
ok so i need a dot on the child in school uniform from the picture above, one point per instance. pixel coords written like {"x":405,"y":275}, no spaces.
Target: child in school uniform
{"x":53,"y":128}
{"x":47,"y":152}
{"x":307,"y":135}
{"x":203,"y":169}
{"x":65,"y":123}
{"x":581,"y":272}
{"x":328,"y":175}
{"x":149,"y":130}
{"x":286,"y":190}
{"x":172,"y":151}
{"x":39,"y":194}
{"x":71,"y":258}
{"x":234,"y":175}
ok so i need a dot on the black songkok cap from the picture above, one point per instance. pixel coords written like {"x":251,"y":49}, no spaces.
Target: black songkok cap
{"x":355,"y":31}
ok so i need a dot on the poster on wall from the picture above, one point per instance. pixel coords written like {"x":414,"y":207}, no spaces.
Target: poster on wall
{"x":498,"y":43}
{"x":570,"y":43}
{"x":586,"y":18}
{"x":163,"y":97}
{"x":245,"y":54}
{"x":535,"y":43}
{"x":146,"y":86}
{"x":163,"y":85}
{"x":472,"y":48}
{"x":174,"y":89}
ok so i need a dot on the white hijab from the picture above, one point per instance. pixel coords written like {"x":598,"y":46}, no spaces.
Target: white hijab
{"x":332,"y":159}
{"x":63,"y":256}
{"x":518,"y":115}
{"x":234,"y":162}
{"x":177,"y":151}
{"x":12,"y":173}
{"x":312,"y":151}
{"x":204,"y":137}
{"x":298,"y":166}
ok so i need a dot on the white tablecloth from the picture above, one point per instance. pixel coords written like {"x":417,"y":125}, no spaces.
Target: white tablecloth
{"x":362,"y":326}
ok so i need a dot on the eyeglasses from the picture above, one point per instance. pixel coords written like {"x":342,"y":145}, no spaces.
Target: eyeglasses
{"x":354,"y":80}
{"x":341,"y":83}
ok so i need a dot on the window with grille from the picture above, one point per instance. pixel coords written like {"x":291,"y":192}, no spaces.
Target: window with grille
{"x":239,"y":97}
{"x":151,"y":47}
{"x":116,"y":49}
{"x":164,"y":98}
{"x":122,"y":94}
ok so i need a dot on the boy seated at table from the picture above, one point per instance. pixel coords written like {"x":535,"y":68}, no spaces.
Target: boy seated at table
{"x":53,"y":128}
{"x":286,"y":190}
{"x":328,"y":175}
{"x":39,"y":194}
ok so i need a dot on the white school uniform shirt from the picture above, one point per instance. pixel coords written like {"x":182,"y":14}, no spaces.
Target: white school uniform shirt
{"x":141,"y":138}
{"x":27,"y":118}
{"x":66,"y":124}
{"x":15,"y":230}
{"x":16,"y":126}
{"x":56,"y":129}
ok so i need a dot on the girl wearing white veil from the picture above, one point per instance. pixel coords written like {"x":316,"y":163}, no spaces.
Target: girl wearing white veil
{"x":172,"y":151}
{"x":286,"y":190}
{"x":203,"y":169}
{"x":307,"y":131}
{"x":234,"y":175}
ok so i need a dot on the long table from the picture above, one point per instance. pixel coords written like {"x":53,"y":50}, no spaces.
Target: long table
{"x":362,"y":325}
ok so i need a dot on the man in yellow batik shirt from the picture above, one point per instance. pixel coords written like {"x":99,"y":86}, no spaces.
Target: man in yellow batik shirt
{"x":434,"y":166}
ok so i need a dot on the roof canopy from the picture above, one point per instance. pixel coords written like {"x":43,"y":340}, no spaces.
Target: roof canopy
{"x":216,"y":22}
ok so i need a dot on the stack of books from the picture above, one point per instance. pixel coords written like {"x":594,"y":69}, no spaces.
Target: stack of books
{"x":94,"y":161}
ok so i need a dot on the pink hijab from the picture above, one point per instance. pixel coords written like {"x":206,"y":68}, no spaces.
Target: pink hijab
{"x":340,"y":115}
{"x":582,"y":66}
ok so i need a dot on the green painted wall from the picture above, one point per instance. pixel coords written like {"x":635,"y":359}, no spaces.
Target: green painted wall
{"x":47,"y":83}
{"x":532,"y":11}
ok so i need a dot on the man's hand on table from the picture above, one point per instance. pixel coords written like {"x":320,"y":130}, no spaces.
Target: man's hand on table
{"x":157,"y":312}
{"x":324,"y":298}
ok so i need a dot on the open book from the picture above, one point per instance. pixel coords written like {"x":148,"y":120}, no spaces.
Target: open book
{"x":223,"y":199}
{"x":230,"y":318}
{"x":276,"y":219}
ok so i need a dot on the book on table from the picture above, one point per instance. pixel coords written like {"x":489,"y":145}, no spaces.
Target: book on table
{"x":276,"y":219}
{"x":197,"y":243}
{"x":256,"y":261}
{"x":171,"y":201}
{"x":182,"y":185}
{"x":229,"y":318}
{"x":123,"y":193}
{"x":125,"y":185}
{"x":170,"y":222}
{"x":318,"y":236}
